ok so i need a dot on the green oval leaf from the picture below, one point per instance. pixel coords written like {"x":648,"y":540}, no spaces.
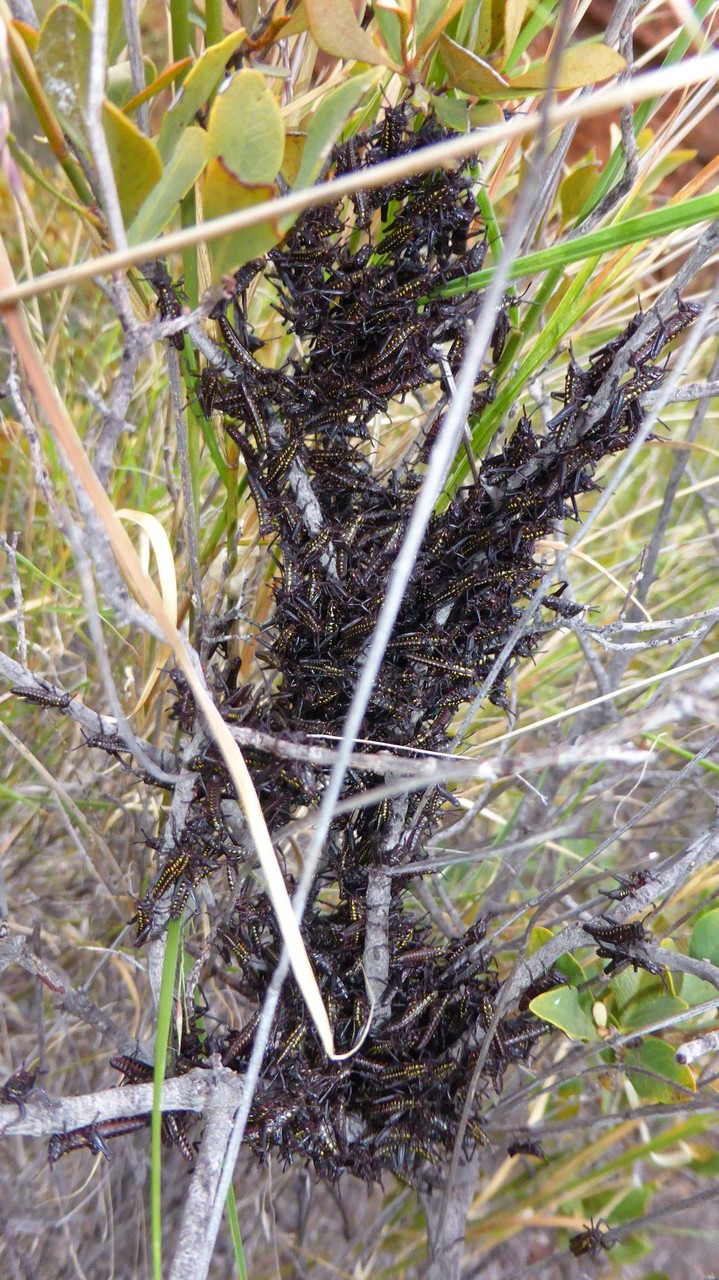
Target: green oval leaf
{"x":696,"y":991}
{"x":199,"y":85}
{"x":222,"y":192}
{"x":162,"y":203}
{"x":489,"y":27}
{"x":651,"y":1009}
{"x":704,"y":943}
{"x":245,"y":129}
{"x":328,"y":122}
{"x":63,"y":63}
{"x":484,"y":114}
{"x":625,"y":989}
{"x":562,"y":1009}
{"x":452,"y":112}
{"x":469,"y":72}
{"x":334,"y":28}
{"x":572,"y":970}
{"x":576,"y":189}
{"x":656,"y":1056}
{"x":537,"y":938}
{"x":581,"y":65}
{"x":135,"y":161}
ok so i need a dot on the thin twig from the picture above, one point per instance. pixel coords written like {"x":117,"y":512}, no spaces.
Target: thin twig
{"x":691,"y":391}
{"x":183,"y":454}
{"x":133,"y":36}
{"x":96,"y":133}
{"x":9,"y":546}
{"x":32,"y":436}
{"x":144,"y":759}
{"x":160,"y":764}
{"x":134,"y":342}
{"x":14,"y":951}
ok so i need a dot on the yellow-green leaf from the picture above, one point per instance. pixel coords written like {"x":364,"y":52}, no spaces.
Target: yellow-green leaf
{"x":116,"y":34}
{"x":135,"y":160}
{"x":650,"y":1008}
{"x":537,"y":938}
{"x":581,"y":65}
{"x":245,"y":128}
{"x":490,"y":26}
{"x":633,"y":1205}
{"x":468,"y":72}
{"x":656,"y":1056}
{"x":666,"y":165}
{"x":514,"y":11}
{"x":184,"y":169}
{"x":576,"y":189}
{"x":484,"y":114}
{"x":561,"y":1007}
{"x":63,"y":63}
{"x":334,"y":28}
{"x":432,"y":18}
{"x":625,"y":989}
{"x":297,"y":23}
{"x":704,"y":942}
{"x":222,"y":192}
{"x":292,"y":157}
{"x":571,"y":969}
{"x":327,"y":122}
{"x":389,"y":21}
{"x":199,"y":85}
{"x":696,"y":991}
{"x":155,"y":86}
{"x":452,"y":112}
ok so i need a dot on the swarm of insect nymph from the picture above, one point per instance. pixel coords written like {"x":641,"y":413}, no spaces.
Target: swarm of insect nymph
{"x":359,"y":284}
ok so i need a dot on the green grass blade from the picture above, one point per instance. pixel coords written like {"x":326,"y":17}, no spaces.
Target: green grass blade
{"x":234,"y":1224}
{"x":646,"y":226}
{"x":164,"y":1022}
